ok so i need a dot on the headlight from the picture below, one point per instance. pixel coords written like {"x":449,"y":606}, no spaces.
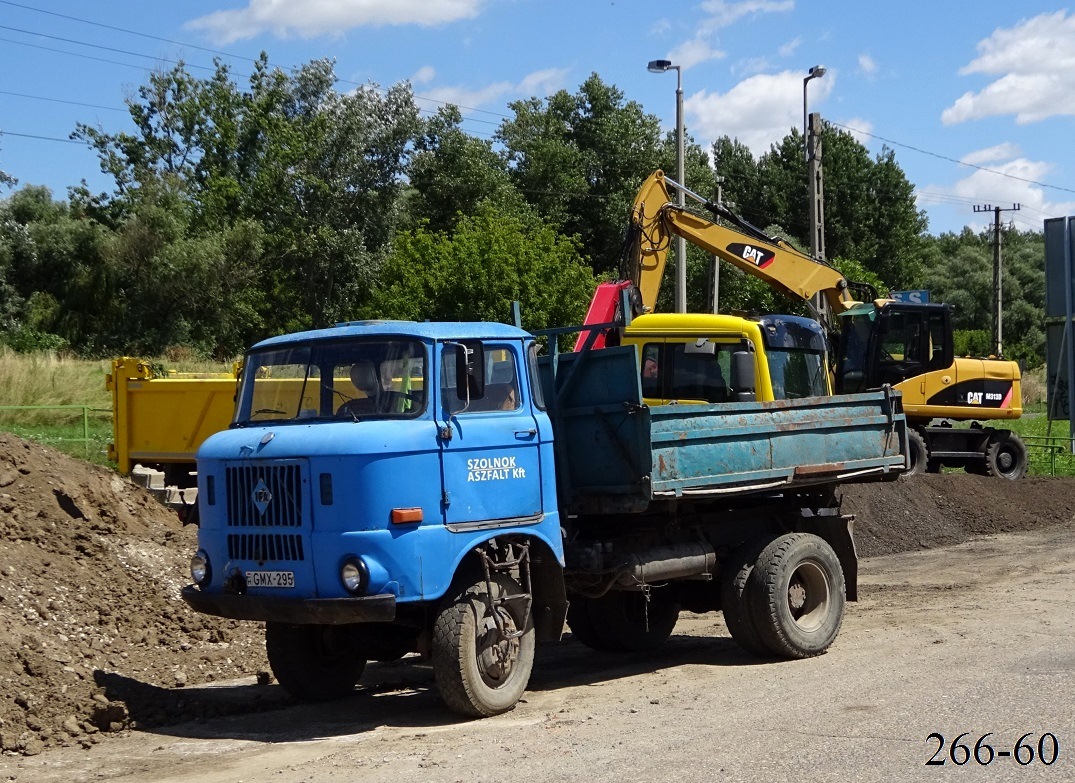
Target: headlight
{"x":200,"y":570}
{"x":355,"y":575}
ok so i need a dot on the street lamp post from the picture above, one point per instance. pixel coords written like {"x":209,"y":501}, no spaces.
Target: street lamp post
{"x":661,"y":66}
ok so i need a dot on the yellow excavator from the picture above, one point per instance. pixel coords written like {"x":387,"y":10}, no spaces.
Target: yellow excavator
{"x":874,"y":341}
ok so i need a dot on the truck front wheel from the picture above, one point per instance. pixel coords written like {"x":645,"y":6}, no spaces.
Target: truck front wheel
{"x":797,"y":593}
{"x":483,"y":648}
{"x":312,"y":662}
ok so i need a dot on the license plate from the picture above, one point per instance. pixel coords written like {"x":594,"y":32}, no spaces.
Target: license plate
{"x":270,"y":578}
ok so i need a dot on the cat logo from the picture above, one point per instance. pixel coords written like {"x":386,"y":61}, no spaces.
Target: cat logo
{"x":974,"y":398}
{"x":758,"y":256}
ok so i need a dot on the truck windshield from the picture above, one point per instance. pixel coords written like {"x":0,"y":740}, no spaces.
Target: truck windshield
{"x":346,"y":380}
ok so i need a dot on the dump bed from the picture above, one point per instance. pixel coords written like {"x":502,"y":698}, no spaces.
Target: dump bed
{"x":616,"y":455}
{"x":162,"y":421}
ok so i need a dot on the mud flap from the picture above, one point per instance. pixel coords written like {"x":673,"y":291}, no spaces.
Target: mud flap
{"x":838,"y":532}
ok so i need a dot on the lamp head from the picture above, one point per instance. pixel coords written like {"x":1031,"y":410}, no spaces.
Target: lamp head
{"x":658,"y":66}
{"x":817,"y":71}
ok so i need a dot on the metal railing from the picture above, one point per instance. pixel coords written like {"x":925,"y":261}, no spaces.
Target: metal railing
{"x":1051,"y":450}
{"x":86,"y":410}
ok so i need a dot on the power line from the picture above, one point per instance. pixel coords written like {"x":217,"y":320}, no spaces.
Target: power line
{"x":216,"y":52}
{"x":42,"y":138}
{"x":952,"y":160}
{"x":60,"y":100}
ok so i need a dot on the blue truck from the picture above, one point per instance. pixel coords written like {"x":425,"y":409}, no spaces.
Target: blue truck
{"x":441,"y":488}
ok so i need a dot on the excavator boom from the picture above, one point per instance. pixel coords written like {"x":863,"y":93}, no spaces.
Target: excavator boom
{"x":655,"y":219}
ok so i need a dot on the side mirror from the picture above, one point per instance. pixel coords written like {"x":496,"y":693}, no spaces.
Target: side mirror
{"x":470,"y":370}
{"x":743,"y":384}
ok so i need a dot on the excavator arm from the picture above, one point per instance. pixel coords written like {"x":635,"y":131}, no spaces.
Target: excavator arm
{"x":656,"y":219}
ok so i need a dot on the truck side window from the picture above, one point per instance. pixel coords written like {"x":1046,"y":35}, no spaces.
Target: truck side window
{"x":700,"y":370}
{"x":501,"y":383}
{"x":651,"y":371}
{"x":536,"y":392}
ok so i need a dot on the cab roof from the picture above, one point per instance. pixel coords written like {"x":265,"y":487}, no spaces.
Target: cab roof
{"x":423,"y":330}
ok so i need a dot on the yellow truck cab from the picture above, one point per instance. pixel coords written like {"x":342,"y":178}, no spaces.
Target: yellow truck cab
{"x":688,"y":357}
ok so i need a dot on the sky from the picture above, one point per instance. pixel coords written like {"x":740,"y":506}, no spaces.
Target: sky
{"x":977,"y":100}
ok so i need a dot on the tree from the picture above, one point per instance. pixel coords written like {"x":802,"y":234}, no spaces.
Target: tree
{"x":452,"y":173}
{"x":579,"y":160}
{"x":491,"y":259}
{"x":320,"y":173}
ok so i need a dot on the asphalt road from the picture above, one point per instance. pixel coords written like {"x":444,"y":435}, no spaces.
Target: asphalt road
{"x":975,"y":638}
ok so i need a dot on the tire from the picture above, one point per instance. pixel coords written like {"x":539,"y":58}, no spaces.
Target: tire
{"x":312,"y":662}
{"x":797,"y":596}
{"x":1005,"y":457}
{"x":622,"y":621}
{"x":735,"y":598}
{"x":916,"y":450}
{"x":477,"y":671}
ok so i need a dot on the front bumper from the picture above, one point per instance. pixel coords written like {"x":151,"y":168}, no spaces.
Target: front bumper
{"x":295,"y":611}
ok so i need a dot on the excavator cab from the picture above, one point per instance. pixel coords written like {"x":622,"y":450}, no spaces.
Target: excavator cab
{"x":892,"y":343}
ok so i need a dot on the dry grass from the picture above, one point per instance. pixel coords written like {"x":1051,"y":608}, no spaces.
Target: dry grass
{"x":48,"y":379}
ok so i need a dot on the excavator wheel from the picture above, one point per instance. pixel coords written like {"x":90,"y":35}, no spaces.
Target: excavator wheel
{"x":916,"y":448}
{"x":1005,"y":456}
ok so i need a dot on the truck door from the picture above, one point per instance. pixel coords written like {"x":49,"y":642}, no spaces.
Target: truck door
{"x":489,"y":465}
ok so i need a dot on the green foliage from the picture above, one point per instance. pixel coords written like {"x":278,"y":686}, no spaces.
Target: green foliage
{"x":972,"y":342}
{"x":959,"y":271}
{"x":579,"y":160}
{"x":491,"y":259}
{"x":870,"y":211}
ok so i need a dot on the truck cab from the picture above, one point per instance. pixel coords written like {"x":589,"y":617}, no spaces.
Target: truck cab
{"x":689,"y":358}
{"x":363,"y":467}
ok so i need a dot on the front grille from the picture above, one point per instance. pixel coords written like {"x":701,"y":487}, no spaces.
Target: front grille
{"x":265,"y":546}
{"x":264,"y":495}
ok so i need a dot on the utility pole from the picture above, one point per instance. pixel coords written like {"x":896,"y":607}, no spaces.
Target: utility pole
{"x":714,"y":267}
{"x":998,"y":275}
{"x":817,"y":199}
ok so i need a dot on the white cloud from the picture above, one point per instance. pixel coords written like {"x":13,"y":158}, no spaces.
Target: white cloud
{"x":999,"y":152}
{"x":1034,"y":63}
{"x":1004,"y":183}
{"x":859,"y":128}
{"x":789,"y":48}
{"x":758,"y":111}
{"x":661,"y":27}
{"x":539,"y":83}
{"x":310,"y":18}
{"x":750,"y":67}
{"x":721,"y":13}
{"x":867,"y":64}
{"x":695,"y":51}
{"x":424,"y":75}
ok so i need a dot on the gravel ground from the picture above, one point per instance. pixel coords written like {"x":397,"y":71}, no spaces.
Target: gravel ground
{"x":99,"y":642}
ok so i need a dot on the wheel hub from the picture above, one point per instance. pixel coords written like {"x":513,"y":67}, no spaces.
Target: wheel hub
{"x":497,"y":654}
{"x":797,"y":596}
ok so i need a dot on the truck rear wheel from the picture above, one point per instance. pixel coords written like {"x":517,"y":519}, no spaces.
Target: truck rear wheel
{"x":735,"y":600}
{"x":623,"y":621}
{"x":797,"y":594}
{"x":1005,"y":457}
{"x":479,"y":669}
{"x":312,"y":662}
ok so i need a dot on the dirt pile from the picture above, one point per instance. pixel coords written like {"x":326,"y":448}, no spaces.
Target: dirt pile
{"x":922,"y":512}
{"x":90,"y":569}
{"x":97,"y":639}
